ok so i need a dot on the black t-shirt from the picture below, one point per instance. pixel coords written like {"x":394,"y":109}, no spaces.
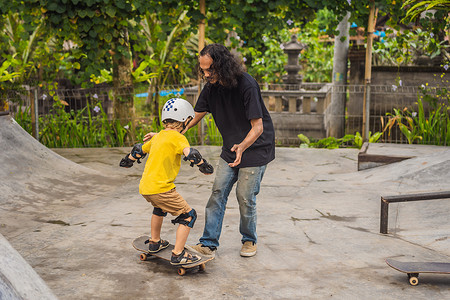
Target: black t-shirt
{"x":232,"y":109}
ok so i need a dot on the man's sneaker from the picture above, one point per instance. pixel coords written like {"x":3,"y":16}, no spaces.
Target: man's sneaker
{"x":184,"y":258}
{"x":154,"y":247}
{"x":204,"y":250}
{"x":248,"y":249}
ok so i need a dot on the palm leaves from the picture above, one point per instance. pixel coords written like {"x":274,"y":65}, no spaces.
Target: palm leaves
{"x":418,"y":7}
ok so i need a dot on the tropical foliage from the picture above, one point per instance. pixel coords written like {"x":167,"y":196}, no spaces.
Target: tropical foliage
{"x":417,"y":7}
{"x":349,"y":140}
{"x":409,"y":48}
{"x":424,"y":124}
{"x":127,"y":43}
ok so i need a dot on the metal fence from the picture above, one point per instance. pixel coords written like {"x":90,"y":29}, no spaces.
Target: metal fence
{"x":294,"y":109}
{"x":384,"y":100}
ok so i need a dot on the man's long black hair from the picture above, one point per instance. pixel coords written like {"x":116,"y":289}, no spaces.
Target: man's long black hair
{"x":225,"y":65}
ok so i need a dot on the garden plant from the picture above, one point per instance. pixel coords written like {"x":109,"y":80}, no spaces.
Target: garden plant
{"x":153,"y":44}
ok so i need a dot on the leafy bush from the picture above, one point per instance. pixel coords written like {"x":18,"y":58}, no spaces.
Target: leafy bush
{"x":404,"y":49}
{"x":349,"y":140}
{"x":267,"y":63}
{"x":90,"y":127}
{"x":421,"y":126}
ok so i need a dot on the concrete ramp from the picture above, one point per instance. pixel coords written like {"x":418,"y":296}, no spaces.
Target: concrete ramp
{"x":36,"y":185}
{"x":426,"y":172}
{"x":31,"y":173}
{"x":425,"y":222}
{"x":318,"y":226}
{"x":17,"y":279}
{"x":23,"y":157}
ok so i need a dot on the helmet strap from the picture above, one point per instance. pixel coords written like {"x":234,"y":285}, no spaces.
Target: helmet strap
{"x":185,"y":124}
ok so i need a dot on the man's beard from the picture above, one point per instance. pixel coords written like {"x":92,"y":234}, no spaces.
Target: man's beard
{"x":212,"y":80}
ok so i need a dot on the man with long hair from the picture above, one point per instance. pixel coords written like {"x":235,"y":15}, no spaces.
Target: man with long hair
{"x":234,"y":99}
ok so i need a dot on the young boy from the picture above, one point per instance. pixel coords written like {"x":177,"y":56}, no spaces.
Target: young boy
{"x":157,"y":182}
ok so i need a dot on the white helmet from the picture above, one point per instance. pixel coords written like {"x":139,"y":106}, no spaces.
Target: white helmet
{"x":177,"y":109}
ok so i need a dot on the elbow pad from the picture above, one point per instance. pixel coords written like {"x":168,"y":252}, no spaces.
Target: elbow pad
{"x":137,"y":152}
{"x":194,"y":157}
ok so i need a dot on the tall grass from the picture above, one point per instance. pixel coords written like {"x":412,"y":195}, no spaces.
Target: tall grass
{"x":90,"y":127}
{"x":213,"y":136}
{"x":430,"y":127}
{"x":23,"y":117}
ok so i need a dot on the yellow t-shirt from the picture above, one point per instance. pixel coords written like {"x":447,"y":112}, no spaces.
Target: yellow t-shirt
{"x":163,"y":162}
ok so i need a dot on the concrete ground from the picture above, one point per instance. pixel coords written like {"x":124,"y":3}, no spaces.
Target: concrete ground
{"x":73,"y":219}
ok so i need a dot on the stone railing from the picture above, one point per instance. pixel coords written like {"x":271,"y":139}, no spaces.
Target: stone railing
{"x":306,"y":98}
{"x":294,"y":109}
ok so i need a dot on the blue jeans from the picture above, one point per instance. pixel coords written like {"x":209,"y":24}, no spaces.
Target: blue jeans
{"x":248,"y":185}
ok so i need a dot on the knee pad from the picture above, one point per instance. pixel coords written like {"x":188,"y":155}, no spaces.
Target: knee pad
{"x":159,"y":212}
{"x":181,"y":219}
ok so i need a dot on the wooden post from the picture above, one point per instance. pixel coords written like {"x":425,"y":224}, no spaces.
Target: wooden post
{"x":32,"y":110}
{"x":384,"y":216}
{"x":3,"y":104}
{"x":201,"y":27}
{"x":201,"y":45}
{"x":368,"y":71}
{"x":34,"y":113}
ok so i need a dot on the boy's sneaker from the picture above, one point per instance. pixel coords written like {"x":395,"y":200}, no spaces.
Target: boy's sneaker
{"x":184,"y":258}
{"x":248,"y":249}
{"x":204,"y":250}
{"x":154,"y":247}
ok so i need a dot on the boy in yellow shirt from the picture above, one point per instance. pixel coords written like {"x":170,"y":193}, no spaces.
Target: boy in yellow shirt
{"x":162,"y":167}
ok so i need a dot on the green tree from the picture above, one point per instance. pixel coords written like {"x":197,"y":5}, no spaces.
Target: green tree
{"x":417,"y":7}
{"x":164,"y":55}
{"x":100,"y":31}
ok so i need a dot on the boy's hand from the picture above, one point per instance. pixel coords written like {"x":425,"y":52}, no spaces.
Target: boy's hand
{"x":127,"y":162}
{"x":205,"y":167}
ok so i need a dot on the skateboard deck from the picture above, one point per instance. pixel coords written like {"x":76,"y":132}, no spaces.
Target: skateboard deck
{"x":412,"y":269}
{"x":165,"y":254}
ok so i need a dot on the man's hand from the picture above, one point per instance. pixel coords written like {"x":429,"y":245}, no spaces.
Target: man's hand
{"x":149,"y":135}
{"x":238,"y":149}
{"x":252,"y":136}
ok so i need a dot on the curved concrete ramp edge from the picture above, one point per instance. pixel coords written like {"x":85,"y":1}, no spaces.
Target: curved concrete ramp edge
{"x":20,"y":151}
{"x":18,"y":280}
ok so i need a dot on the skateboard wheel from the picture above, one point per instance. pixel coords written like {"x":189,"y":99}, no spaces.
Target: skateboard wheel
{"x":414,"y":280}
{"x":143,"y":256}
{"x":181,"y":271}
{"x":202,"y":267}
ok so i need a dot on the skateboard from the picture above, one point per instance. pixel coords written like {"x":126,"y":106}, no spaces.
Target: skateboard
{"x":140,"y":245}
{"x":412,"y":269}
